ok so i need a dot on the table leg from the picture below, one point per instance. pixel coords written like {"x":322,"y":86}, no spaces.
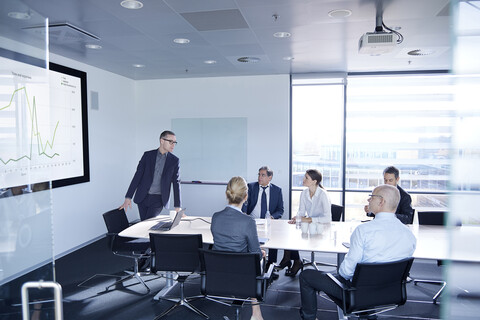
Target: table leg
{"x":340,"y":257}
{"x":169,"y":284}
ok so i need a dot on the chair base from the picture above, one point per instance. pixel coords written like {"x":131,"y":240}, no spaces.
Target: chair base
{"x":136,"y":275}
{"x":237,"y":303}
{"x":435,"y":282}
{"x":182,"y":302}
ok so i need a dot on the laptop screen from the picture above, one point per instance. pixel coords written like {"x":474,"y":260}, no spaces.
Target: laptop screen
{"x":177,"y":219}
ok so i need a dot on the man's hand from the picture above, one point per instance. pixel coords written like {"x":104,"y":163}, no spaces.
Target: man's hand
{"x":126,"y":204}
{"x":263,"y":253}
{"x":293,"y":221}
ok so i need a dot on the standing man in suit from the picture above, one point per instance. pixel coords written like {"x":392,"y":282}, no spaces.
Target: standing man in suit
{"x":263,"y":197}
{"x":404,"y":213}
{"x":156,"y":171}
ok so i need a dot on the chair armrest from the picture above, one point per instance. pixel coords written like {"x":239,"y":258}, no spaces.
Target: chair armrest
{"x":338,"y":283}
{"x":267,"y":274}
{"x":263,"y":282}
{"x":344,"y":289}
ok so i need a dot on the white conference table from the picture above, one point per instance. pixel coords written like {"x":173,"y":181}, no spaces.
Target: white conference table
{"x":433,"y":242}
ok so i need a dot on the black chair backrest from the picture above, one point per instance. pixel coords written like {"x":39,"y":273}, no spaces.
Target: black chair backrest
{"x":175,"y":252}
{"x":378,"y":284}
{"x":337,"y":212}
{"x":115,"y":220}
{"x":432,"y":218}
{"x":231,"y":274}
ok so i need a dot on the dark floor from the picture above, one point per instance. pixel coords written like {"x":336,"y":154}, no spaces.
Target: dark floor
{"x":131,"y":301}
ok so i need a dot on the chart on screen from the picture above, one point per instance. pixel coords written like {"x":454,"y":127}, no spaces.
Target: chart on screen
{"x":40,"y":124}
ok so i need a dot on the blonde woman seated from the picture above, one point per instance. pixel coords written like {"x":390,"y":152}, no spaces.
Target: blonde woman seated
{"x":314,"y":202}
{"x":234,"y":231}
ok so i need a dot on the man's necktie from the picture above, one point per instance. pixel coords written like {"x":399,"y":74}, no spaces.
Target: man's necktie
{"x":263,"y":204}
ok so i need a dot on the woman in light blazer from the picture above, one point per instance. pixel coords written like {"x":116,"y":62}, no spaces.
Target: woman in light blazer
{"x":314,"y":202}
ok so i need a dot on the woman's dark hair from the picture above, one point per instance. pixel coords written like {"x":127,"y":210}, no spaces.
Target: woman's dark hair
{"x":315,"y":175}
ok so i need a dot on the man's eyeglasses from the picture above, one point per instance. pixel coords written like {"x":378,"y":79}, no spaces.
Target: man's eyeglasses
{"x":171,"y":141}
{"x":374,"y":195}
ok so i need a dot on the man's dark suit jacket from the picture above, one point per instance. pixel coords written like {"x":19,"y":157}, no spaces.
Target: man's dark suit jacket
{"x":142,"y":180}
{"x":404,"y":210}
{"x":275,"y":206}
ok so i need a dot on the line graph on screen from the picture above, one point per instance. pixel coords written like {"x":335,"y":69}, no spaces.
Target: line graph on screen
{"x":41,"y":133}
{"x":35,"y":132}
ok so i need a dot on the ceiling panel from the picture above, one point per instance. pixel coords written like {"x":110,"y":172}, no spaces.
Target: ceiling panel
{"x":318,"y":43}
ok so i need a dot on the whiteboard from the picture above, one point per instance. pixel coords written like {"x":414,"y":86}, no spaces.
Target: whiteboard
{"x":211,"y":149}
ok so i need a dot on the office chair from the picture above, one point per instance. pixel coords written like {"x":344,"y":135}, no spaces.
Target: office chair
{"x":375,"y":288}
{"x":432,"y":218}
{"x":116,"y":221}
{"x":232,"y":278}
{"x":337,"y":213}
{"x":177,"y":253}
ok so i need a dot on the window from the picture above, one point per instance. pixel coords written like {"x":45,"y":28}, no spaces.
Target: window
{"x":317,"y":126}
{"x":402,"y":120}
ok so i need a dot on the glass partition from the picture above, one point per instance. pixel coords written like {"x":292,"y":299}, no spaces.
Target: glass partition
{"x":26,"y":138}
{"x":462,"y":276}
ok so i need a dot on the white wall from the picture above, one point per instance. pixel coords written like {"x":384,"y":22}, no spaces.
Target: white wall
{"x":77,"y":209}
{"x":263,"y":100}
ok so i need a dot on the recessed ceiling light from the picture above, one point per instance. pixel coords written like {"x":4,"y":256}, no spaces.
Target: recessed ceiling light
{"x":210,"y":61}
{"x":282,"y":34}
{"x":248,"y":59}
{"x":131,"y":4}
{"x":19,"y":15}
{"x":181,"y":41}
{"x":136,"y":65}
{"x":420,"y":52}
{"x":288,"y":58}
{"x":93,"y":46}
{"x":340,"y":13}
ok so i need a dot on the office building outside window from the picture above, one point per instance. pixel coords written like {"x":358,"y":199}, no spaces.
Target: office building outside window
{"x":402,"y":120}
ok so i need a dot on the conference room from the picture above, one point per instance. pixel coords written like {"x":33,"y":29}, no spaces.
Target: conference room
{"x":286,"y":85}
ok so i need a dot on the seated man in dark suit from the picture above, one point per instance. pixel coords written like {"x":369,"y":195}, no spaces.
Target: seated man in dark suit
{"x":404,"y":213}
{"x":384,"y":239}
{"x":267,"y":199}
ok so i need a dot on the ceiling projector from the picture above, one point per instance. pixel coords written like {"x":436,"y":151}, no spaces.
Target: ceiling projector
{"x":375,"y":43}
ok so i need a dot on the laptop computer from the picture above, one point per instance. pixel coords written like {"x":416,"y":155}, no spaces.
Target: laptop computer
{"x":168,"y":225}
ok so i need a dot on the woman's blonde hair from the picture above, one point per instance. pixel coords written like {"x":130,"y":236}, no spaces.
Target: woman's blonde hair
{"x":236,"y":190}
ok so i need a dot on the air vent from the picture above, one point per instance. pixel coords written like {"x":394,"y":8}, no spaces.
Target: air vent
{"x":248,"y":59}
{"x":216,"y":20}
{"x":63,"y":32}
{"x":420,"y":52}
{"x":380,"y":38}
